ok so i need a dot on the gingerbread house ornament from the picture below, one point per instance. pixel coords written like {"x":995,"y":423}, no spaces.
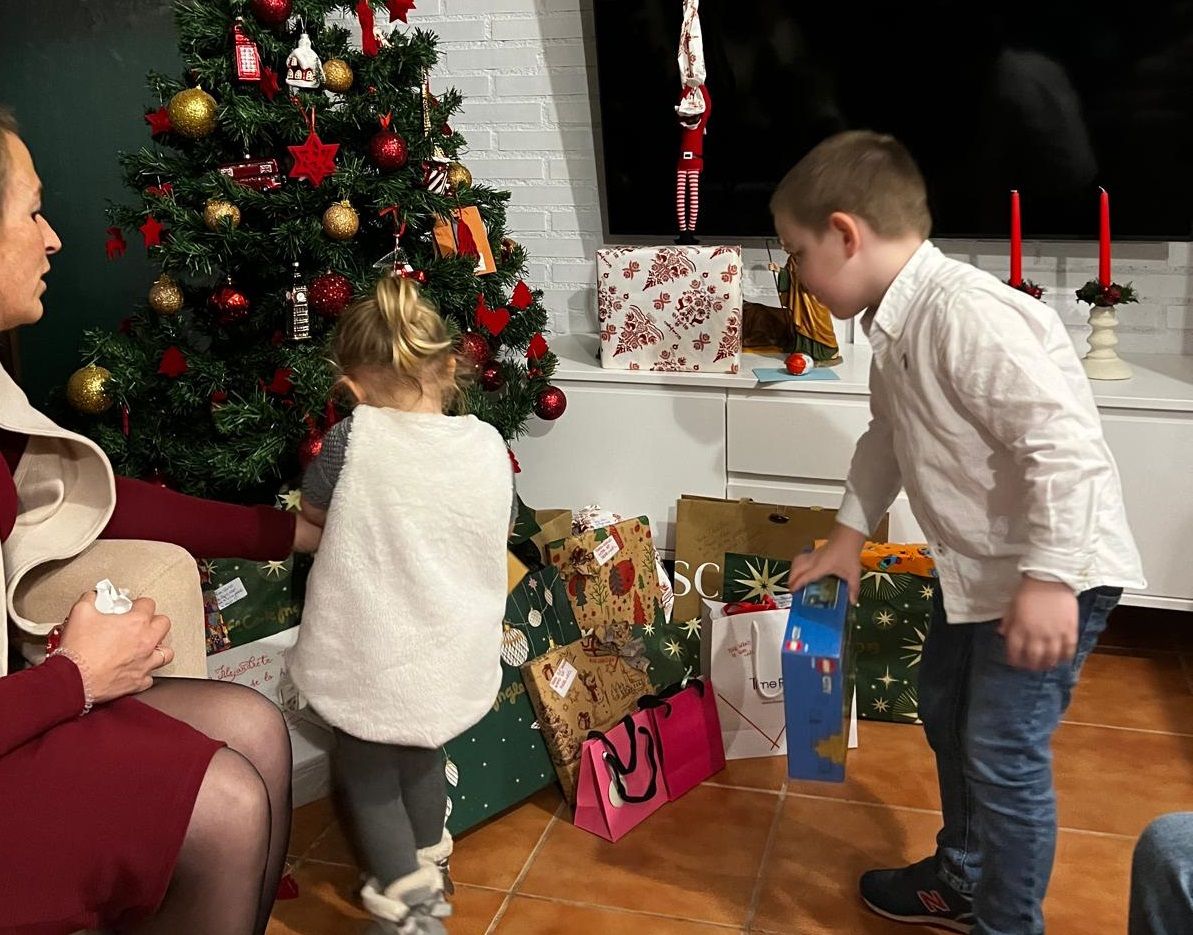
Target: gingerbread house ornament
{"x":303,"y":67}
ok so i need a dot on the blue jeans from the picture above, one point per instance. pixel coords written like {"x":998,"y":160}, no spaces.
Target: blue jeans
{"x":990,"y":726}
{"x":1162,"y":877}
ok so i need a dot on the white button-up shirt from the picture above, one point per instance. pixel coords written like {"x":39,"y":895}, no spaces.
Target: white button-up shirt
{"x":981,"y":410}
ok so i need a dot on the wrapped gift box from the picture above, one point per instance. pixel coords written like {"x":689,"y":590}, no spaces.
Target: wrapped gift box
{"x":670,"y":308}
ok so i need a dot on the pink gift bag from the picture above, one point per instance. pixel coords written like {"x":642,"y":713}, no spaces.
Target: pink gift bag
{"x":687,"y":735}
{"x":620,"y":784}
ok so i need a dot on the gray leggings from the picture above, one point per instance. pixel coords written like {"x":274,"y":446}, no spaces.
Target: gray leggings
{"x":393,"y":801}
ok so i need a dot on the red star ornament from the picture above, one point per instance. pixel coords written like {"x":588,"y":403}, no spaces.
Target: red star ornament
{"x":159,"y":121}
{"x":173,"y":363}
{"x":151,"y":230}
{"x":398,"y":9}
{"x":538,"y":347}
{"x":269,"y":82}
{"x":522,"y":297}
{"x":281,"y":383}
{"x":314,"y":160}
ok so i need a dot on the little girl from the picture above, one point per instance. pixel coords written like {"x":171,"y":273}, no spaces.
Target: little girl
{"x":400,"y":645}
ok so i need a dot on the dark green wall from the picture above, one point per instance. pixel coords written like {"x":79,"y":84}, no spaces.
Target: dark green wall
{"x":75,"y":73}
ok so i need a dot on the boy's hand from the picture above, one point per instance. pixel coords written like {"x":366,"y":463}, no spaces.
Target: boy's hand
{"x":839,"y":557}
{"x":1041,"y":626}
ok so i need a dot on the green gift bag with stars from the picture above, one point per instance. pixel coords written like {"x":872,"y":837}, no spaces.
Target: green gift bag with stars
{"x":502,"y":760}
{"x":247,"y":600}
{"x":889,"y":622}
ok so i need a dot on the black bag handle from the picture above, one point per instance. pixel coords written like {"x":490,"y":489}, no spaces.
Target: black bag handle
{"x":646,"y":702}
{"x":621,"y":770}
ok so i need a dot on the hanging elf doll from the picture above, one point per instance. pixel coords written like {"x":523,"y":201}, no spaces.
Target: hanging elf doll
{"x":693,"y":111}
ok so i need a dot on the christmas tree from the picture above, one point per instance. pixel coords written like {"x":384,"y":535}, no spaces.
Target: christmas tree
{"x":287,"y":171}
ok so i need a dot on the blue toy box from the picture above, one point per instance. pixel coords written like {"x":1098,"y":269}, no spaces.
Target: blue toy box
{"x":818,"y":681}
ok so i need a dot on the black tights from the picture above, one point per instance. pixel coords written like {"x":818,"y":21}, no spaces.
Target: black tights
{"x":234,"y":852}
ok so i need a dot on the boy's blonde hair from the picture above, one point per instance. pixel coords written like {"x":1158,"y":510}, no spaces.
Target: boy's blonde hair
{"x":396,"y":336}
{"x":859,"y":172}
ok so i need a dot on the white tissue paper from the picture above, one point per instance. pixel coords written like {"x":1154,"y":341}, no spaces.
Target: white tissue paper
{"x":110,"y":599}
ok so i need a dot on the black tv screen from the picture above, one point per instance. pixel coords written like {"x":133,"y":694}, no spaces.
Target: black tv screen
{"x":1052,"y":97}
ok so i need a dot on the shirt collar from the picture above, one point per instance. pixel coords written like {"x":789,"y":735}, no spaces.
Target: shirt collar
{"x":895,"y":306}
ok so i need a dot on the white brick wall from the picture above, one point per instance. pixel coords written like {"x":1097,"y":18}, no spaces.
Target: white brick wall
{"x":525,"y":69}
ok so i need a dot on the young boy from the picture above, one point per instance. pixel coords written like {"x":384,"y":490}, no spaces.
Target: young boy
{"x":981,"y":411}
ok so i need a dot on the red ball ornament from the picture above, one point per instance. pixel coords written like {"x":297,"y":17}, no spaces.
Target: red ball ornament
{"x":309,"y":447}
{"x":271,"y":12}
{"x":388,"y":150}
{"x":230,"y":304}
{"x":419,"y":276}
{"x":491,"y":378}
{"x":798,"y":363}
{"x":329,"y":294}
{"x":475,"y":348}
{"x":550,"y":404}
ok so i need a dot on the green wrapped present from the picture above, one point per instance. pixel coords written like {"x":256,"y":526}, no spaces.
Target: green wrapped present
{"x":503,"y":760}
{"x":753,"y":577}
{"x":247,"y":600}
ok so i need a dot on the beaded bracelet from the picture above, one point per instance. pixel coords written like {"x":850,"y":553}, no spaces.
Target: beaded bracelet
{"x":84,"y":675}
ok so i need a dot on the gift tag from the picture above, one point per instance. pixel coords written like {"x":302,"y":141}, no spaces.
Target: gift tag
{"x":606,"y":550}
{"x":228,"y":594}
{"x":561,"y":681}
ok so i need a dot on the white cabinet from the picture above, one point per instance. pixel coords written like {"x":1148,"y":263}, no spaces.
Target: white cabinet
{"x":1154,"y":451}
{"x":633,"y":449}
{"x":634,"y":441}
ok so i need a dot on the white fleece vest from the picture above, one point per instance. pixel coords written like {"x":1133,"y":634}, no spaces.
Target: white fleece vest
{"x":401,"y":632}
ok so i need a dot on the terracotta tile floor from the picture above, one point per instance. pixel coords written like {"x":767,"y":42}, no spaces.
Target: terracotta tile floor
{"x":751,"y":852}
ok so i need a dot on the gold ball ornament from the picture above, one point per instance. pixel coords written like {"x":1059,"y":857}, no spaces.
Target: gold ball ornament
{"x":86,"y":389}
{"x":165,"y":296}
{"x":458,"y":176}
{"x":340,"y":221}
{"x":217,"y":211}
{"x":337,"y":75}
{"x":192,"y":113}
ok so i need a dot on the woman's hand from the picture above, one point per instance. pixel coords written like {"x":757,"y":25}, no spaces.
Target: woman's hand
{"x":119,"y":652}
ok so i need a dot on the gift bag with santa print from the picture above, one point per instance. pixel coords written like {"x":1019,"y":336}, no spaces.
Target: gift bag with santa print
{"x":577,"y":688}
{"x":613,"y":584}
{"x":670,"y":308}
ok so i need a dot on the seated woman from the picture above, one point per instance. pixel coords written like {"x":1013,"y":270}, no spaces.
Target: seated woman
{"x":166,"y":808}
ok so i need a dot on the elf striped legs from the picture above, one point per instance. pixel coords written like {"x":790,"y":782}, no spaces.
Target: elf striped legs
{"x":687,"y":199}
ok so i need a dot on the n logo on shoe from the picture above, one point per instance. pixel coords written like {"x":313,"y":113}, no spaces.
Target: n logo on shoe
{"x":933,"y":901}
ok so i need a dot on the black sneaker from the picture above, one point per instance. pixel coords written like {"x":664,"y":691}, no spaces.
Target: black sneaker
{"x":917,"y":895}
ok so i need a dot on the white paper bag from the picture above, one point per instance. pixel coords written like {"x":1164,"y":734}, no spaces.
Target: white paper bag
{"x":262,"y":666}
{"x":742,"y":656}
